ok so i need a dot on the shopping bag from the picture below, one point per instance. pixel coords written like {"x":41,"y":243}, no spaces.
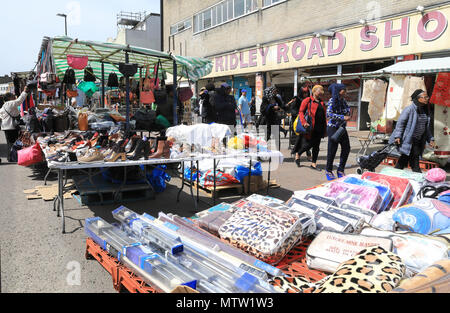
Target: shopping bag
{"x":29,"y":156}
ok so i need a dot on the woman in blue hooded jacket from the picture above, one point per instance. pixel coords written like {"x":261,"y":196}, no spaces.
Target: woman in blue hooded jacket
{"x":338,"y":113}
{"x":413,"y":132}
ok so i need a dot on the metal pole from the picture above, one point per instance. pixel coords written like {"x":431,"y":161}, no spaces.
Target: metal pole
{"x":127,"y":59}
{"x":65,"y":22}
{"x":175,"y":95}
{"x":103,"y":85}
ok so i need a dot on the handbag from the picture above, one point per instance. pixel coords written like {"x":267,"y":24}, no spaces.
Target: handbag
{"x":48,"y":78}
{"x":72,"y":93}
{"x":83,"y":123}
{"x":185,"y":93}
{"x":30,"y":156}
{"x":18,"y":145}
{"x":89,"y":75}
{"x":337,"y":136}
{"x":15,"y":120}
{"x":128,"y":69}
{"x":77,"y":62}
{"x":299,"y":128}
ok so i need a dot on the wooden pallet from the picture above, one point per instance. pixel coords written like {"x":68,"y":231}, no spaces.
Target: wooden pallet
{"x":219,"y":189}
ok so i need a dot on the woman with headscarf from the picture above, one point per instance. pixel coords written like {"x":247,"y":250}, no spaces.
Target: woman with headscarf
{"x":338,"y":113}
{"x":412,"y":132}
{"x":315,"y":108}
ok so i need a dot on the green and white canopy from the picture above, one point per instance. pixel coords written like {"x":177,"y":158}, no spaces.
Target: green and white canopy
{"x":112,"y":54}
{"x":424,"y":66}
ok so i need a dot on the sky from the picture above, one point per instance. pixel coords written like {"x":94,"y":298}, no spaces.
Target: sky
{"x":24,"y":23}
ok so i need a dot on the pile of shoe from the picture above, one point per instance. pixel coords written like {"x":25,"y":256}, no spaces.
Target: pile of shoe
{"x":94,"y":147}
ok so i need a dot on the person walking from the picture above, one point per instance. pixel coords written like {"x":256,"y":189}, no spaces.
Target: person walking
{"x":244,"y":108}
{"x":8,"y":115}
{"x":412,"y":132}
{"x":315,"y":108}
{"x":294,"y":106}
{"x":338,"y":113}
{"x":270,"y":108}
{"x":224,"y":106}
{"x":252,"y":110}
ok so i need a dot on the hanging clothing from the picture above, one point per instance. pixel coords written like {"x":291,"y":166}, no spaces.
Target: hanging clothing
{"x":375,"y":94}
{"x":394,"y":96}
{"x":412,"y":83}
{"x":27,"y":105}
{"x":441,"y":92}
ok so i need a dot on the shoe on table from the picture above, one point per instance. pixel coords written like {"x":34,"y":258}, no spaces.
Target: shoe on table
{"x":93,"y":155}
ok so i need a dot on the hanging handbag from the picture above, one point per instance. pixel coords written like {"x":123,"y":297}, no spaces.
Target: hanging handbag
{"x":83,"y":123}
{"x":71,"y":93}
{"x":185,"y":93}
{"x":113,"y":81}
{"x":161,"y":97}
{"x":299,"y":128}
{"x":128,"y":69}
{"x":69,"y":77}
{"x":89,"y":75}
{"x":77,"y":62}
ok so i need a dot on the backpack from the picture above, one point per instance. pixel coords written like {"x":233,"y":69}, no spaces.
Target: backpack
{"x":89,"y":75}
{"x":69,"y":77}
{"x":113,"y":80}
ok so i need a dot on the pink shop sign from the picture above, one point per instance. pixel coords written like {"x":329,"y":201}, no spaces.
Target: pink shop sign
{"x":360,"y":43}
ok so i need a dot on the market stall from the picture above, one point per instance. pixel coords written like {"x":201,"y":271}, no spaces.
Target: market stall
{"x":92,"y":61}
{"x":372,"y":233}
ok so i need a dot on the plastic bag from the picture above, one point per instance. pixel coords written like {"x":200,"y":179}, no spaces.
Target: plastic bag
{"x":242,"y":171}
{"x":158,"y":178}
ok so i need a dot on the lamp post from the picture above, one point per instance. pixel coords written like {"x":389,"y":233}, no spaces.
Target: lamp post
{"x":65,"y":20}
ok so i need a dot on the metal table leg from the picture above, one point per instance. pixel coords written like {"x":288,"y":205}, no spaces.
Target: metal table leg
{"x":190,"y":187}
{"x":268,"y":176}
{"x":198,"y":182}
{"x":46,"y":176}
{"x":249,"y":176}
{"x":182,"y":182}
{"x":215,"y":183}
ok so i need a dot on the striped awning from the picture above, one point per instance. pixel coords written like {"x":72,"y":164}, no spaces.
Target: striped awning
{"x":423,"y":66}
{"x":112,"y":54}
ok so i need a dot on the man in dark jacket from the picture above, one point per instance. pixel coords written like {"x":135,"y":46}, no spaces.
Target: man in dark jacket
{"x":208,"y":111}
{"x":270,"y":108}
{"x":224,"y":105}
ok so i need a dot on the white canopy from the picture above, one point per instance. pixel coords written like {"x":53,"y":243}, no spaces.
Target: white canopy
{"x":423,"y":66}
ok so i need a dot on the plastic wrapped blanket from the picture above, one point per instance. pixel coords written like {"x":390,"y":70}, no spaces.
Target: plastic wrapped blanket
{"x":360,"y":196}
{"x":401,"y":187}
{"x":265,"y":233}
{"x":424,"y":216}
{"x":384,"y":191}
